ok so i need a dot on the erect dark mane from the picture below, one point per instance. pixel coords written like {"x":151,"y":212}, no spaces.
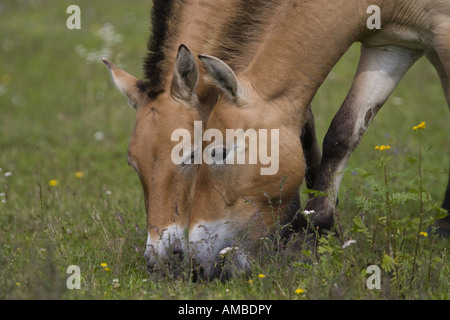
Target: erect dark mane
{"x":234,"y":36}
{"x":163,"y":21}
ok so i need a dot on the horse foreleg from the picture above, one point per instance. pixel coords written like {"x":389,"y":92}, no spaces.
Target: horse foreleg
{"x":379,"y":71}
{"x":313,"y":155}
{"x":443,"y":225}
{"x":311,"y":149}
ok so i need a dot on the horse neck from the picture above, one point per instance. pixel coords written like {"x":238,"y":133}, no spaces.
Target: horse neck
{"x":303,"y":44}
{"x":189,"y":25}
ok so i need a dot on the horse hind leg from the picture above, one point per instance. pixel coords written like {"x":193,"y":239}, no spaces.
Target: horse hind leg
{"x":443,"y":225}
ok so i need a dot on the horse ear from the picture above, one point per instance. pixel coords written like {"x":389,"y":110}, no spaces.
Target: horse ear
{"x":185,"y":76}
{"x":222,"y":75}
{"x":127,"y":84}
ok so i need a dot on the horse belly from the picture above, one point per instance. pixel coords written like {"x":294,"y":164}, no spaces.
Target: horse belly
{"x":411,"y":24}
{"x":418,"y":39}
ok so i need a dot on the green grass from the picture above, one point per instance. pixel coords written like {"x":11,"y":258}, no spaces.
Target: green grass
{"x":54,"y":100}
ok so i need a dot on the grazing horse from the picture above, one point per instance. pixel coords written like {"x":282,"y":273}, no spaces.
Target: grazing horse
{"x":174,"y":95}
{"x":304,"y":40}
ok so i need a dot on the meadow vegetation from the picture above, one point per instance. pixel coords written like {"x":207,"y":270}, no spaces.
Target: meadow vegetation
{"x":67,"y":196}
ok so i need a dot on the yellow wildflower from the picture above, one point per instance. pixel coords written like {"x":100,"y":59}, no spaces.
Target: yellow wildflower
{"x":17,"y":283}
{"x":103,"y":264}
{"x":419,"y":126}
{"x":53,"y":183}
{"x":382,"y":147}
{"x":107,"y":269}
{"x":423,"y":233}
{"x":298,"y":291}
{"x":79,"y":174}
{"x":261,"y":275}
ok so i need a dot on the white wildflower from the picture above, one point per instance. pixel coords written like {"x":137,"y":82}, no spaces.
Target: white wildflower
{"x":116,"y":283}
{"x":224,"y":251}
{"x":109,"y":38}
{"x":99,"y":135}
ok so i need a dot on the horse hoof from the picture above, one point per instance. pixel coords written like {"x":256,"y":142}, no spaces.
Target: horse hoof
{"x":441,"y":227}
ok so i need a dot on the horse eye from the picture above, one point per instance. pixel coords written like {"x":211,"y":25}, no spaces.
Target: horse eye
{"x":219,"y":154}
{"x":190,"y":161}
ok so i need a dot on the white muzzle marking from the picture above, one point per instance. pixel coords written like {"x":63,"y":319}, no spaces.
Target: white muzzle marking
{"x":210,"y":244}
{"x":164,"y":246}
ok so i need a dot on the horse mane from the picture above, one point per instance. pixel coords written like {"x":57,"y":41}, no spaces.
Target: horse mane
{"x":164,"y":25}
{"x":236,"y":34}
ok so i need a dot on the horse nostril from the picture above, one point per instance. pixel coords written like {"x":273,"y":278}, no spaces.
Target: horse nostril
{"x":177,"y":254}
{"x":150,"y":266}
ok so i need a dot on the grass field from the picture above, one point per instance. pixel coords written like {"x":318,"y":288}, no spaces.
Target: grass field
{"x":67,"y":196}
